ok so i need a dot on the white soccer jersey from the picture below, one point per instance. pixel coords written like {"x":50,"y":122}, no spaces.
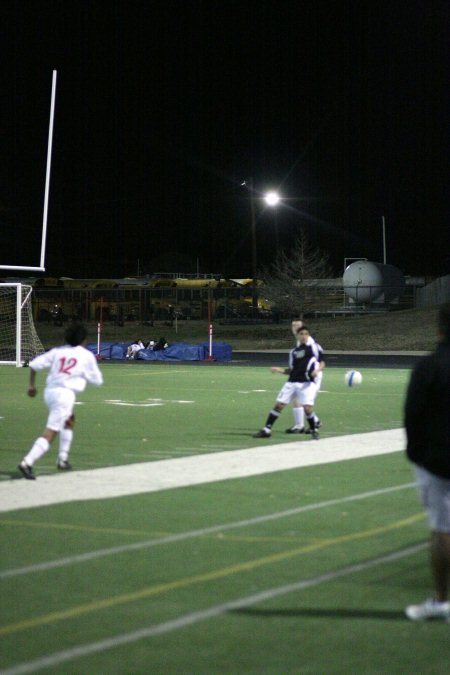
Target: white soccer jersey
{"x":69,"y":367}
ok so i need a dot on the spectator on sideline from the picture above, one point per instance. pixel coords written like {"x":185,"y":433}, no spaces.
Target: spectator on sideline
{"x":302,"y":370}
{"x":161,"y":344}
{"x":70,"y":368}
{"x":134,"y":348}
{"x":427,"y":422}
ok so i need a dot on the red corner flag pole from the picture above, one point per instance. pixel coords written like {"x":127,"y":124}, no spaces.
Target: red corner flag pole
{"x":99,"y":330}
{"x":210,"y":328}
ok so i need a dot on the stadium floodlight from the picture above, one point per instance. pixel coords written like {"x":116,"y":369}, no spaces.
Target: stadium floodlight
{"x":272,"y":198}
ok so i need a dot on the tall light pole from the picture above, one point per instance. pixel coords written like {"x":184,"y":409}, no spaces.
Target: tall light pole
{"x":254,"y":253}
{"x":272,"y":199}
{"x":383,"y":223}
{"x":249,"y":185}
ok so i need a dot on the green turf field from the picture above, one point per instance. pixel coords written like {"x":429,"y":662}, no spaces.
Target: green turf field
{"x":286,"y":572}
{"x":146,"y":412}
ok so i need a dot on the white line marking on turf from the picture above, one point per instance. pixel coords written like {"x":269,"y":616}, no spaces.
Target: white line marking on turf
{"x":193,"y":618}
{"x":138,"y":405}
{"x":146,"y":477}
{"x":191,"y":534}
{"x":253,"y":391}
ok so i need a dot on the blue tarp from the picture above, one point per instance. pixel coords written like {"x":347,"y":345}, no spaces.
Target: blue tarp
{"x":179,"y":351}
{"x":105,"y":349}
{"x":119,"y":350}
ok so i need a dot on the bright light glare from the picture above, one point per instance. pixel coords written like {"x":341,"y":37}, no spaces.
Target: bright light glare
{"x":272,"y":198}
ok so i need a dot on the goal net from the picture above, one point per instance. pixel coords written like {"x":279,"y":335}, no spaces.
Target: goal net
{"x":19,"y":342}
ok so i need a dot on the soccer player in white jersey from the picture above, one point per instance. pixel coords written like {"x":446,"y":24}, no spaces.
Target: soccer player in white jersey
{"x":297,"y":409}
{"x":70,"y":368}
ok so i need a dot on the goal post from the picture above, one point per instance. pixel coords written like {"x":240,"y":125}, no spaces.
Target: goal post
{"x":41,"y":267}
{"x":19,"y":341}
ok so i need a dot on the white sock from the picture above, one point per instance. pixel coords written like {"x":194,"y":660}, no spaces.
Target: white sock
{"x":65,"y":441}
{"x":40,"y":447}
{"x":299,"y":417}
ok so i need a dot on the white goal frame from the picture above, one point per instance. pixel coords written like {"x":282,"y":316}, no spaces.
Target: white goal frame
{"x":41,"y":267}
{"x":24,"y":342}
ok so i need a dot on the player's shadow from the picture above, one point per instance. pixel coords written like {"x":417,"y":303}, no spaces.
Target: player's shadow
{"x":331,"y":613}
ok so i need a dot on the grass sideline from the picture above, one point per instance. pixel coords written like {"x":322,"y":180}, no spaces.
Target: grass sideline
{"x":320,"y":589}
{"x":403,"y":330}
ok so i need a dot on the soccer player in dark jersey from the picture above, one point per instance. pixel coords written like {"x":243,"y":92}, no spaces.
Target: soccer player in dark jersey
{"x":303,"y":370}
{"x":297,"y":409}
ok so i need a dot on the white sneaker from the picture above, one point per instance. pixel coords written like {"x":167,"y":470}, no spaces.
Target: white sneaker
{"x":430,"y":609}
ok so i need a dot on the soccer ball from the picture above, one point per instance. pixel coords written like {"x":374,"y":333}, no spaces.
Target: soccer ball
{"x":352,"y":378}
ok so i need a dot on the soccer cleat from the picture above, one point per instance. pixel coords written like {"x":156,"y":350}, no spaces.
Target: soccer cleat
{"x":315,"y":435}
{"x":262,"y":433}
{"x":26,"y":471}
{"x":64,"y":465}
{"x":295,"y":430}
{"x":430,"y":609}
{"x":318,"y":424}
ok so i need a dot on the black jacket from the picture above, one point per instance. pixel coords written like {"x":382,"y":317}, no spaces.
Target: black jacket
{"x":427,"y":413}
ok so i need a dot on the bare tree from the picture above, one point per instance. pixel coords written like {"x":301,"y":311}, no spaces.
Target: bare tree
{"x":294,"y":283}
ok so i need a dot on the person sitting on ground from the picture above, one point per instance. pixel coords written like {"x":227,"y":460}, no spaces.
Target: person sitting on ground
{"x":161,"y":344}
{"x":134,"y":348}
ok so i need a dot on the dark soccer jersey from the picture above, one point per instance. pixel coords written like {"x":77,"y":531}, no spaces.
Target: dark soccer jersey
{"x":303,"y":359}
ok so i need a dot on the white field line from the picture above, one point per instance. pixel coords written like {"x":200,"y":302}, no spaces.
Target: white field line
{"x":191,"y":534}
{"x":64,"y":656}
{"x":185,"y":471}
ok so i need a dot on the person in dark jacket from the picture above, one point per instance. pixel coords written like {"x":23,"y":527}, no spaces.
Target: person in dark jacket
{"x":161,"y":344}
{"x":427,"y":423}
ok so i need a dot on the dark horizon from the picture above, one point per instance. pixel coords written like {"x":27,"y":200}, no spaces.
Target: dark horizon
{"x":164,"y":109}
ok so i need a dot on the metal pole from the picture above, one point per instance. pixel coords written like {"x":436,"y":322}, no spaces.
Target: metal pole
{"x":19,"y":326}
{"x":277,"y":237}
{"x":254,"y":261}
{"x":384,"y":239}
{"x":47,"y":174}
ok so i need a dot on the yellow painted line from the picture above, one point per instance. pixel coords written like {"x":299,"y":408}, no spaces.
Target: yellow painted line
{"x":104,"y":530}
{"x":110,"y":530}
{"x":251,"y":540}
{"x":158,"y":589}
{"x":82,"y":528}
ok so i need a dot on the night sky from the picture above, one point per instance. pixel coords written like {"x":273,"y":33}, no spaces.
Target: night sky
{"x":163,"y":109}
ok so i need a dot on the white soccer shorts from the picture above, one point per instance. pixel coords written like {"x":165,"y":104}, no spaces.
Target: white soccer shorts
{"x":302,"y":392}
{"x":60,"y":402}
{"x":435,"y":495}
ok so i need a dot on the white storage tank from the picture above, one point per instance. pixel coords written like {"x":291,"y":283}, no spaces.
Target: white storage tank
{"x":367,"y":282}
